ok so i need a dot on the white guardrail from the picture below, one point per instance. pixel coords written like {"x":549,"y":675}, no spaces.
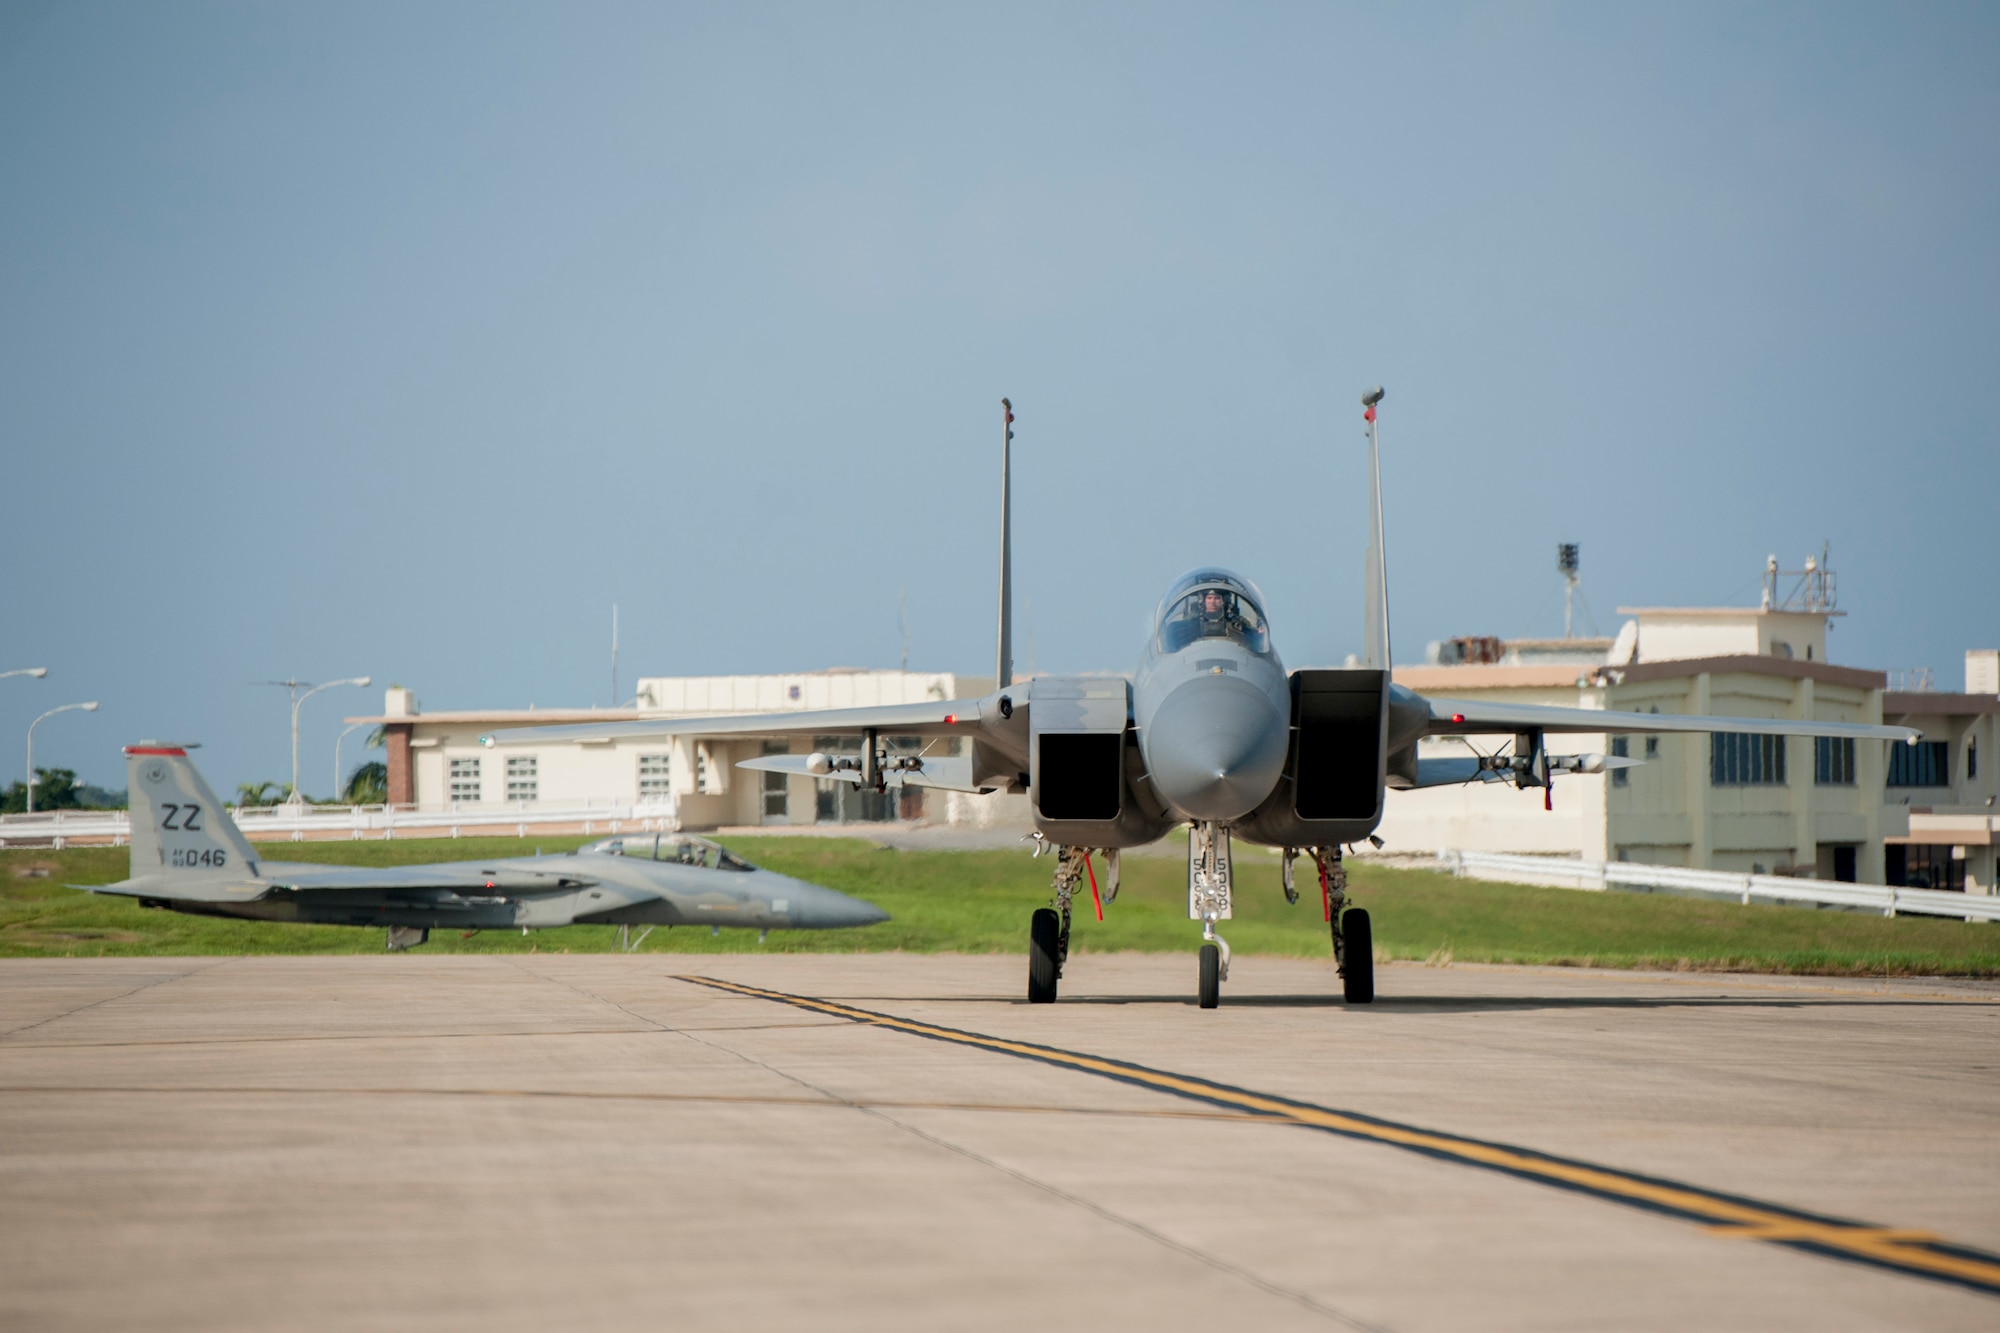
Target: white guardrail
{"x":316,"y":822}
{"x":1565,"y":873}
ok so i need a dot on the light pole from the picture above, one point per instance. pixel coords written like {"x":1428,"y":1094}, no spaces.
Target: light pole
{"x":297,"y":699}
{"x":336,"y":755}
{"x":90,"y":707}
{"x":37,"y":672}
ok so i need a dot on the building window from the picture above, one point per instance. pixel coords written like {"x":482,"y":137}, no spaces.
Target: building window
{"x":777,"y":786}
{"x":656,"y":777}
{"x":1833,"y":761}
{"x":1621,"y":748}
{"x":1971,"y":760}
{"x":1915,"y":865}
{"x":523,"y":782}
{"x":1652,"y":747}
{"x":465,"y":780}
{"x":1925,"y":764}
{"x":1746,"y":759}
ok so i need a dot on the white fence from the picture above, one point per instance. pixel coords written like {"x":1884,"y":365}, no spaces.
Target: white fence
{"x":301,"y":823}
{"x":1565,"y":873}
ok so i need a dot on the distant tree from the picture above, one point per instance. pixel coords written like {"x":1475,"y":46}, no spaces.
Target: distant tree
{"x":258,"y":793}
{"x":369,"y":784}
{"x":55,"y":789}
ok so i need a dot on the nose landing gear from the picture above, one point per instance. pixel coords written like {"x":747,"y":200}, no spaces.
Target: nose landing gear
{"x":1209,"y":902}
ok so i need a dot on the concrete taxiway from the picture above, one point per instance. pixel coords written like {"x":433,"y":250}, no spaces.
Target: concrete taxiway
{"x":887,"y":1141}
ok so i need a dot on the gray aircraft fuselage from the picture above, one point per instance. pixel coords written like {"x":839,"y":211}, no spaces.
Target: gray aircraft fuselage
{"x":189,"y":856}
{"x":588,"y":887}
{"x":1212,"y":705}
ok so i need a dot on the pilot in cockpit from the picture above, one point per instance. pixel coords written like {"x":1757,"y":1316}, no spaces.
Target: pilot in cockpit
{"x":1219,"y":618}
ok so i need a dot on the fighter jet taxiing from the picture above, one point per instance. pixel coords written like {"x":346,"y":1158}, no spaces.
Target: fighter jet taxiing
{"x":189,"y":856}
{"x":1210,"y":731}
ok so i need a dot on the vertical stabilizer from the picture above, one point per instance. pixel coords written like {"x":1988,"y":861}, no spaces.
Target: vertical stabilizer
{"x":1003,"y":671}
{"x":1375,"y":633}
{"x":179,"y":828}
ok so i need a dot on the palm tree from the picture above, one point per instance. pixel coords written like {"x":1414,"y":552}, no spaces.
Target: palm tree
{"x":369,"y":784}
{"x":255,"y":793}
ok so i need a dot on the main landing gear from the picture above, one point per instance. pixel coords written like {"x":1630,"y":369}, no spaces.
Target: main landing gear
{"x":1048,"y":930}
{"x":1353,"y":937}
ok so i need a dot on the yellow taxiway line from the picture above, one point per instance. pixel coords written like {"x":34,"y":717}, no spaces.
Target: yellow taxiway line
{"x":1917,"y":1253}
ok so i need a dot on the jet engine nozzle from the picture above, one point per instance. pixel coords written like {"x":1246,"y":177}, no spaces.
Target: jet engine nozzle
{"x":1215,"y":747}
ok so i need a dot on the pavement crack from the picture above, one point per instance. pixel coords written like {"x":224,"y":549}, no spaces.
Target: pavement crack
{"x":11,"y":1033}
{"x":1131,"y":1224}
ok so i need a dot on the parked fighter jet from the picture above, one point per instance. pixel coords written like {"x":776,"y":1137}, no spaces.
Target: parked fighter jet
{"x":1211,"y":732}
{"x":189,"y":856}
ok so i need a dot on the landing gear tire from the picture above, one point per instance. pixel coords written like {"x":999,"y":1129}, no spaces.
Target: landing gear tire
{"x":1044,"y":955}
{"x":1357,"y":977}
{"x":1211,"y":976}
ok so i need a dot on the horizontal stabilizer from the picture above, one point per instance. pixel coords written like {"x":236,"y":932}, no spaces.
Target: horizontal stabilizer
{"x":945,"y":774}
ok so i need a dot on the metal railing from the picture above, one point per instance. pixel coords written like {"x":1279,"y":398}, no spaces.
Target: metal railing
{"x":300,"y":823}
{"x":1565,"y":873}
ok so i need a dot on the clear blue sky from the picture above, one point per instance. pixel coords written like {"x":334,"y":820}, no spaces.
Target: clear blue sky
{"x":406,"y":339}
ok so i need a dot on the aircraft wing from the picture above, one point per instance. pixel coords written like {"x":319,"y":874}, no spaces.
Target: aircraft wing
{"x":1464,"y":717}
{"x":464,"y":877}
{"x":941,"y":718}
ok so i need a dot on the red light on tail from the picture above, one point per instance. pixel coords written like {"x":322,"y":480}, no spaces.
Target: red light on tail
{"x":1458,"y":717}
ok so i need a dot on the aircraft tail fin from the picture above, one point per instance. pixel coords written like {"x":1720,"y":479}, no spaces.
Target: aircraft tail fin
{"x":180,"y":829}
{"x":1375,"y":632}
{"x":1003,"y":671}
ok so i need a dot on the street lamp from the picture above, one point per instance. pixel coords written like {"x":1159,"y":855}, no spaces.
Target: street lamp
{"x":336,"y":755}
{"x":37,"y":672}
{"x":90,"y":707}
{"x":297,"y":699}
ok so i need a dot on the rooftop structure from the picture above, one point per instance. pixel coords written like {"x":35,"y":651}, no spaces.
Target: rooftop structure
{"x":1883,"y":813}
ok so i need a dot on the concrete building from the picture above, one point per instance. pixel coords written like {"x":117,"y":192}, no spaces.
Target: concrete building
{"x":1748,"y":801}
{"x":1947,"y":783}
{"x":436,"y":762}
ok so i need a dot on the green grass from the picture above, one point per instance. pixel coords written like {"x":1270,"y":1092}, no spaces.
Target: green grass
{"x":978,"y":902}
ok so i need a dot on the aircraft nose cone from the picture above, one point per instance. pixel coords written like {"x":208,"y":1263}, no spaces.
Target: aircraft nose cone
{"x":813,"y":907}
{"x":1215,"y":747}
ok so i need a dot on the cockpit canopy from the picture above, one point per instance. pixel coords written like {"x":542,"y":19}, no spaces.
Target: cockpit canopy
{"x":1212,"y":604}
{"x":678,"y":848}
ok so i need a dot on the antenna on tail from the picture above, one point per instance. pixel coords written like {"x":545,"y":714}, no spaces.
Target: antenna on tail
{"x":1003,"y":671}
{"x":1375,"y":633}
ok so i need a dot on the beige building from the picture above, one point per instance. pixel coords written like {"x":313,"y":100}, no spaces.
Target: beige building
{"x":1870,"y":811}
{"x":436,"y":761}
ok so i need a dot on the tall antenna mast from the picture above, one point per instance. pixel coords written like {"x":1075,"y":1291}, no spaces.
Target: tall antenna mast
{"x":614,"y":654}
{"x":1003,"y":670}
{"x":1568,"y":562}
